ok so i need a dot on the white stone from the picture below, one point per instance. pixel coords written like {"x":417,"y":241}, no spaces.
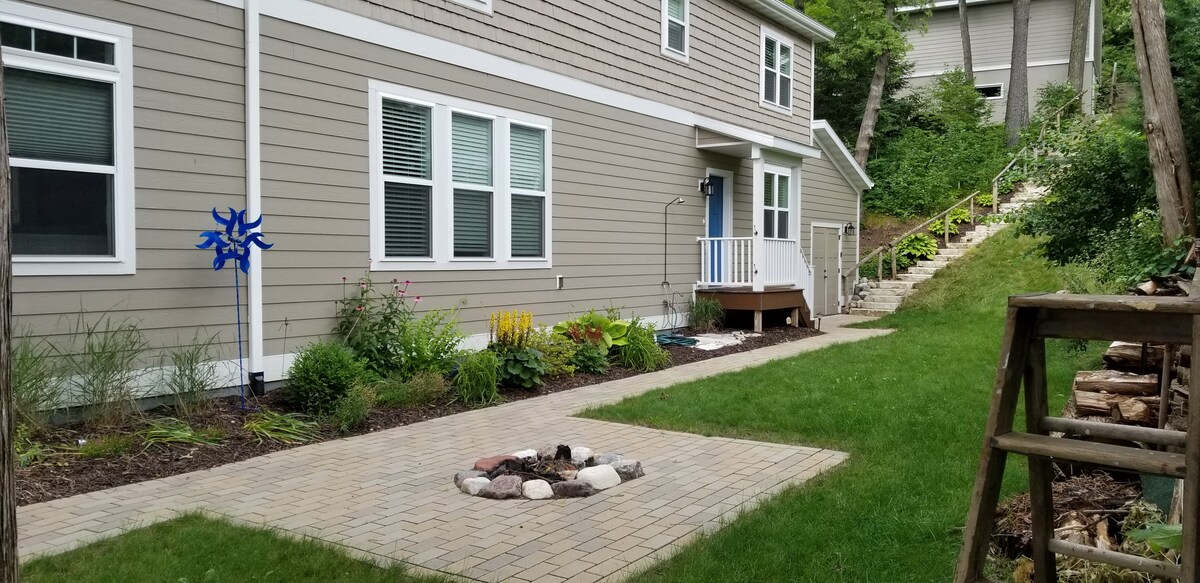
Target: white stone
{"x":600,"y":477}
{"x":474,"y":486}
{"x":525,"y":454}
{"x":580,"y":455}
{"x":537,"y":490}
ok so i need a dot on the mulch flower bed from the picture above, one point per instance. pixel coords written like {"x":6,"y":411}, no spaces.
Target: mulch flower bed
{"x":67,"y":474}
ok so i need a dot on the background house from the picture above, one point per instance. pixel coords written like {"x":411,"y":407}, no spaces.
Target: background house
{"x":939,"y":48}
{"x":498,"y":154}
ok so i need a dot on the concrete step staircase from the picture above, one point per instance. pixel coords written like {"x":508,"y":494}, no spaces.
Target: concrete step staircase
{"x":878,"y":298}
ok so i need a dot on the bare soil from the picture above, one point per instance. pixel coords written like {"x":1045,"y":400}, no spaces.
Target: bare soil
{"x":66,"y":473}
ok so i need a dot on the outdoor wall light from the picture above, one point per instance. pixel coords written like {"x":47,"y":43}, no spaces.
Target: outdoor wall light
{"x":706,"y":186}
{"x":849,"y":229}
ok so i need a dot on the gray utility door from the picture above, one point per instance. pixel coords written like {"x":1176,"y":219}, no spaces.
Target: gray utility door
{"x":826,"y":259}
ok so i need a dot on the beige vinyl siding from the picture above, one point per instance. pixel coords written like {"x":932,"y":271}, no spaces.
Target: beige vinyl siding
{"x":612,"y":173}
{"x":189,"y":156}
{"x":826,"y":196}
{"x":617,"y":44}
{"x":1038,"y":77}
{"x":939,"y":47}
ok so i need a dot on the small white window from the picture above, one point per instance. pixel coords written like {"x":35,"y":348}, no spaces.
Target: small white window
{"x":456,"y":184}
{"x":69,"y":108}
{"x":993,"y":91}
{"x":484,"y":6}
{"x":675,"y":15}
{"x":777,"y":53}
{"x":776,"y":204}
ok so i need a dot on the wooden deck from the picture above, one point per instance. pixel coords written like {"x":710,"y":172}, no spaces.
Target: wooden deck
{"x":758,"y":302}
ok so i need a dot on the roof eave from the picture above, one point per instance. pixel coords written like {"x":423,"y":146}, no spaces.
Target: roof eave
{"x":840,"y":156}
{"x":792,"y":19}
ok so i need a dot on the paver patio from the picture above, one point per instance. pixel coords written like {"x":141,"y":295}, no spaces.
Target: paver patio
{"x":389,"y":495}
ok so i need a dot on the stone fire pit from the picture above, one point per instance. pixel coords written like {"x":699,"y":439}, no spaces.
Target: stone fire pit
{"x":553,"y":471}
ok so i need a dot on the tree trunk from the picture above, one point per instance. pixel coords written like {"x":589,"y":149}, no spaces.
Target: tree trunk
{"x":964,"y":31}
{"x":10,"y":569}
{"x":866,"y":131}
{"x":1016,"y":114}
{"x":1079,"y":43}
{"x":1163,"y":128}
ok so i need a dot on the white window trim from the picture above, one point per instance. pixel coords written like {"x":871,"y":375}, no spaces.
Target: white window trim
{"x":484,"y":6}
{"x":792,"y":208}
{"x":780,"y":40}
{"x":666,"y":50}
{"x":996,"y":98}
{"x":120,"y":74}
{"x":442,"y":204}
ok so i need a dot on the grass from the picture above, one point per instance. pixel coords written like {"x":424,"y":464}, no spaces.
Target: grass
{"x":909,"y":408}
{"x":197,"y":549}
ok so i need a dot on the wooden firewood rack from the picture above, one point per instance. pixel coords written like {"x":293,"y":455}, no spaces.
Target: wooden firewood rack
{"x":1031,"y":320}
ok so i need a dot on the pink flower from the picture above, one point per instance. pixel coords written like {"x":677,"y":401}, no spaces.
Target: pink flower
{"x":406,"y":282}
{"x":358,"y":309}
{"x":417,"y":299}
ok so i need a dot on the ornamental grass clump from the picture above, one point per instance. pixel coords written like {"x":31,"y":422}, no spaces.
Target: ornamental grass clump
{"x":36,"y":382}
{"x":706,"y":314}
{"x":353,"y":409}
{"x":642,"y":352}
{"x":290,"y":428}
{"x":477,"y":378}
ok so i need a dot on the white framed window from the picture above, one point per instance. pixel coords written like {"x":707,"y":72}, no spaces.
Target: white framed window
{"x":777,"y":202}
{"x":456,"y":184}
{"x":484,"y":6}
{"x":676,"y":28}
{"x":776,"y":70}
{"x":69,"y":92}
{"x":991,"y":91}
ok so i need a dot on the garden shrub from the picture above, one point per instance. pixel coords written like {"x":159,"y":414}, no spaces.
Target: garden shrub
{"x":477,"y":378}
{"x":917,"y":246}
{"x":706,"y":314}
{"x":957,"y":216}
{"x":36,"y":381}
{"x":1102,"y":177}
{"x":382,"y":327}
{"x":353,"y":408}
{"x":591,"y":358}
{"x":642,"y":352}
{"x":557,"y":351}
{"x":1051,"y":97}
{"x":595,"y":328}
{"x":522,"y":368}
{"x":321,"y":375}
{"x":520,"y":365}
{"x":105,"y":446}
{"x":423,"y":388}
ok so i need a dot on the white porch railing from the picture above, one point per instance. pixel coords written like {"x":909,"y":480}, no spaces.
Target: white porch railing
{"x":730,"y":262}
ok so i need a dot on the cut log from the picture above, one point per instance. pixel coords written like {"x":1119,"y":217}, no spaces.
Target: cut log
{"x":1122,"y":408}
{"x":1103,"y":540}
{"x":1116,"y":382}
{"x":1129,"y":357}
{"x":1135,"y":411}
{"x":1073,"y":527}
{"x":1148,"y":288}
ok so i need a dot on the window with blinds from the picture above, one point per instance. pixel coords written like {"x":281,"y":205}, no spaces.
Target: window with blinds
{"x":776,"y":205}
{"x":675,"y":28}
{"x":776,"y":71}
{"x":462,"y":183}
{"x":62,"y":142}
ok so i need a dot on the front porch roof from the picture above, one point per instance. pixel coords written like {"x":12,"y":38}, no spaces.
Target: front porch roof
{"x":731,"y":140}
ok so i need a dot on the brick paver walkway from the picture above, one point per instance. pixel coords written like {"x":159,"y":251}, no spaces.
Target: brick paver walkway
{"x":389,"y":495}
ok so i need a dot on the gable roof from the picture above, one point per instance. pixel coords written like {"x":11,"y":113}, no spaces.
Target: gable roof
{"x":790,"y":18}
{"x":833,"y":147}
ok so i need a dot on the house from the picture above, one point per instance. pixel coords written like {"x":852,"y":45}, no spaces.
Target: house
{"x":498,"y":154}
{"x":938,"y":47}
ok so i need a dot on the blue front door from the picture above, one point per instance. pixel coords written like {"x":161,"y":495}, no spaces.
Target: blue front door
{"x":716,"y":224}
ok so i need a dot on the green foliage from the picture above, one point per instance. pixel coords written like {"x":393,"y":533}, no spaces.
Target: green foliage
{"x":1183,"y":38}
{"x":594,"y":328}
{"x":478,"y":376}
{"x":917,"y":246}
{"x":1101,"y":179}
{"x":105,"y":367}
{"x":944,"y":151}
{"x":557,"y":351}
{"x":423,"y":388}
{"x":171,"y":430}
{"x":1159,"y":537}
{"x":321,"y":375}
{"x":190,"y":374}
{"x":522,"y":368}
{"x":591,"y":358}
{"x":957,"y":216}
{"x":642,"y":352}
{"x":28,"y":450}
{"x":1051,"y":97}
{"x":105,"y":446}
{"x":287,"y":428}
{"x":1133,"y":251}
{"x":353,"y":409}
{"x":37,"y":388}
{"x":381,"y":326}
{"x":870,"y":269}
{"x":984,"y":199}
{"x":706,"y":314}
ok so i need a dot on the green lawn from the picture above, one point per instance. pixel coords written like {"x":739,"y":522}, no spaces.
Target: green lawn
{"x":909,"y":408}
{"x":195,"y":549}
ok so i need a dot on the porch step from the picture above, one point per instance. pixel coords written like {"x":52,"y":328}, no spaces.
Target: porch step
{"x":951,"y":252}
{"x":923,"y":270}
{"x":883,"y":306}
{"x":914,"y":277}
{"x":959,"y":245}
{"x":894,"y":284}
{"x":892,"y":292}
{"x":934,"y":263}
{"x":870,"y":313}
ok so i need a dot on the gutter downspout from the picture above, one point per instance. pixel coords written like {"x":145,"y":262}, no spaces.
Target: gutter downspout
{"x":254,"y":295}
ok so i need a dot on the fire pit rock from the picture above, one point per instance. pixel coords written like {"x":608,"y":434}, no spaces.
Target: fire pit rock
{"x":552,"y":471}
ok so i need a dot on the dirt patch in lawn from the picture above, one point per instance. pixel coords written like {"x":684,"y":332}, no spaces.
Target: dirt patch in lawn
{"x":66,"y":473}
